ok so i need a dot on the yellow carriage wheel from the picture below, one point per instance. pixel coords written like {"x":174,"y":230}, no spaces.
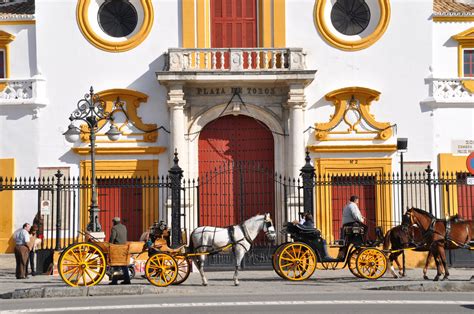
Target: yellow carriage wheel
{"x":82,"y":264}
{"x":352,"y":264}
{"x":161,"y":269}
{"x":296,"y":261}
{"x":371,"y":263}
{"x":184,"y":268}
{"x":275,"y":257}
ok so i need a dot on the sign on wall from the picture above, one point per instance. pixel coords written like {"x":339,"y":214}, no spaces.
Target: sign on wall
{"x":462,"y":147}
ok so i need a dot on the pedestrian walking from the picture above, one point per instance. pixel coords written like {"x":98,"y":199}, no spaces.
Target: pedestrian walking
{"x":22,"y":240}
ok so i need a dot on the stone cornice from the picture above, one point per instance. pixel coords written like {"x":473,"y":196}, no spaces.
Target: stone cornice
{"x":304,"y":77}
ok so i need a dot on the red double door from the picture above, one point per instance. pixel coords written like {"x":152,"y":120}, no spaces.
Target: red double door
{"x":236,"y":168}
{"x":234,"y":25}
{"x":343,"y":188}
{"x":121,"y":198}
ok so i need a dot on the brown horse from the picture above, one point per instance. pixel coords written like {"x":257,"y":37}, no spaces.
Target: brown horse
{"x":441,"y":234}
{"x":402,"y":237}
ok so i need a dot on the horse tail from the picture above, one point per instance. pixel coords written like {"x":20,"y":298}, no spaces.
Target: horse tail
{"x":191,"y":243}
{"x":386,"y":241}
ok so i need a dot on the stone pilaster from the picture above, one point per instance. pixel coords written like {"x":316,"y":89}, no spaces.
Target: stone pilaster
{"x":176,"y":105}
{"x":296,"y":105}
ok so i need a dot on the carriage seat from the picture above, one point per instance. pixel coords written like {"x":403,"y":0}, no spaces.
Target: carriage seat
{"x":351,"y":230}
{"x":306,"y":230}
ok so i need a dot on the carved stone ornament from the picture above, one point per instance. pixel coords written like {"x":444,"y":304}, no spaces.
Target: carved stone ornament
{"x":125,"y":116}
{"x":352,"y":119}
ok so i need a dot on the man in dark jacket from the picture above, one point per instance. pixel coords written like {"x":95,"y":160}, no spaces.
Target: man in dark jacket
{"x":118,"y":235}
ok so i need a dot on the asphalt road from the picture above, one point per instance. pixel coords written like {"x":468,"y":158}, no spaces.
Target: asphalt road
{"x":345,"y":301}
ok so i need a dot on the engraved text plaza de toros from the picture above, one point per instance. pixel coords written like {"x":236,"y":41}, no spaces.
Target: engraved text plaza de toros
{"x":231,"y":90}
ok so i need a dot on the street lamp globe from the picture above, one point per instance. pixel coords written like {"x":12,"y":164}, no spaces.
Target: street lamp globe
{"x":113,"y":133}
{"x":72,"y":134}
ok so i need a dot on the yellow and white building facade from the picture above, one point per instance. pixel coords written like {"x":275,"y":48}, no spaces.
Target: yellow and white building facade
{"x":342,"y":81}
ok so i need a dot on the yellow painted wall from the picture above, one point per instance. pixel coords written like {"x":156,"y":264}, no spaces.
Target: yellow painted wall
{"x":7,"y":170}
{"x":328,"y":167}
{"x":449,"y":165}
{"x":122,"y":169}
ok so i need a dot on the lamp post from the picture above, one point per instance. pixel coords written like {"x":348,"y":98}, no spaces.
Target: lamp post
{"x":402,"y":144}
{"x":91,"y":110}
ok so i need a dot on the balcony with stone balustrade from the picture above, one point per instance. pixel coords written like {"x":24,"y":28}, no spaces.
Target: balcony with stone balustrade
{"x":29,"y":93}
{"x":196,"y":65}
{"x":450,"y":92}
{"x":236,"y":59}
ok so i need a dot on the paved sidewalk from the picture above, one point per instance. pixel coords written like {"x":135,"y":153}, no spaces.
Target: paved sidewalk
{"x":221,"y":283}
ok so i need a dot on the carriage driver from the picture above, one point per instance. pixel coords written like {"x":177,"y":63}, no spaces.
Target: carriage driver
{"x":118,"y":235}
{"x":351,"y":215}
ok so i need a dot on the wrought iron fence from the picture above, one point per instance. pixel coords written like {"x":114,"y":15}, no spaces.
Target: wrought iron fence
{"x":62,"y":202}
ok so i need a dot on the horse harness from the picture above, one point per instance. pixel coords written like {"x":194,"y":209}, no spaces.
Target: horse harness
{"x":431,"y":230}
{"x":234,"y":242}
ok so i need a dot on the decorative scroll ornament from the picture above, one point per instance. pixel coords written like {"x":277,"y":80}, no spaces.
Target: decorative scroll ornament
{"x":352,"y":119}
{"x":122,"y":104}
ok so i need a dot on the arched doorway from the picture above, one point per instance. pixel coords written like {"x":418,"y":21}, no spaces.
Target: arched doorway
{"x":236,"y":170}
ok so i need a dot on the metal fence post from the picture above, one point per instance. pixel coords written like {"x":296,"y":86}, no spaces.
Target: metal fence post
{"x":59,"y":187}
{"x":176,"y":174}
{"x":428,"y":170}
{"x":307,"y":172}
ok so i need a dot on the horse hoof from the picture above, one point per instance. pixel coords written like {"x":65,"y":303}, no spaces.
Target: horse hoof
{"x":204,"y":284}
{"x":445,"y":278}
{"x":436,"y":279}
{"x":236,"y":284}
{"x":426,"y":277}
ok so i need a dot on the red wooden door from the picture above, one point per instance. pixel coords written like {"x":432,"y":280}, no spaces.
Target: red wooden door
{"x":343,"y":188}
{"x":236,"y":158}
{"x":121,"y":198}
{"x":465,"y":196}
{"x":233,"y":25}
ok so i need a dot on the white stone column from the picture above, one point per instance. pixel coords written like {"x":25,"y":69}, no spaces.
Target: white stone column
{"x":296,"y":105}
{"x":176,"y":104}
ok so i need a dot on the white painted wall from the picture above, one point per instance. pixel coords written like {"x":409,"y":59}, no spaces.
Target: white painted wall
{"x":445,"y":49}
{"x":396,"y":66}
{"x":71,"y":65}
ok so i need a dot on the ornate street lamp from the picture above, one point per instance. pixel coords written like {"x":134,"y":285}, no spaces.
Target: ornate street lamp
{"x":91,"y":110}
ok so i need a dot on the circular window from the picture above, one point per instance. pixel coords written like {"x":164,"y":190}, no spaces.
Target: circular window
{"x":350,"y":17}
{"x":117,"y":18}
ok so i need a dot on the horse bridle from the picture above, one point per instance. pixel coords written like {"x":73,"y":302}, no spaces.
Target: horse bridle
{"x":425,"y":233}
{"x":268,"y":227}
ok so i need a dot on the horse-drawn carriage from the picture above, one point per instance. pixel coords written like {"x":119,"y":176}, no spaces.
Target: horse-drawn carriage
{"x":298,"y":260}
{"x":86,"y":263}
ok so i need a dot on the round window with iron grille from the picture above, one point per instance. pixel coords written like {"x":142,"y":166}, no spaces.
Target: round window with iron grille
{"x":350,"y":17}
{"x":117,"y":18}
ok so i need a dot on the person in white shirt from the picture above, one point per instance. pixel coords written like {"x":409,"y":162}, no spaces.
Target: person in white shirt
{"x":22,"y":251}
{"x":351,"y":214}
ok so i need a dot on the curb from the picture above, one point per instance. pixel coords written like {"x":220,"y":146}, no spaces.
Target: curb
{"x":433,"y":287}
{"x":68,"y":292}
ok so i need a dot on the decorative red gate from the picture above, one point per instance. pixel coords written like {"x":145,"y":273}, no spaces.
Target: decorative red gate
{"x":342,"y":189}
{"x":236,"y":171}
{"x":121,"y":198}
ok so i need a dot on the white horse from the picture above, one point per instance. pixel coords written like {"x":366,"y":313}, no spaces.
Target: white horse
{"x":239,"y":237}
